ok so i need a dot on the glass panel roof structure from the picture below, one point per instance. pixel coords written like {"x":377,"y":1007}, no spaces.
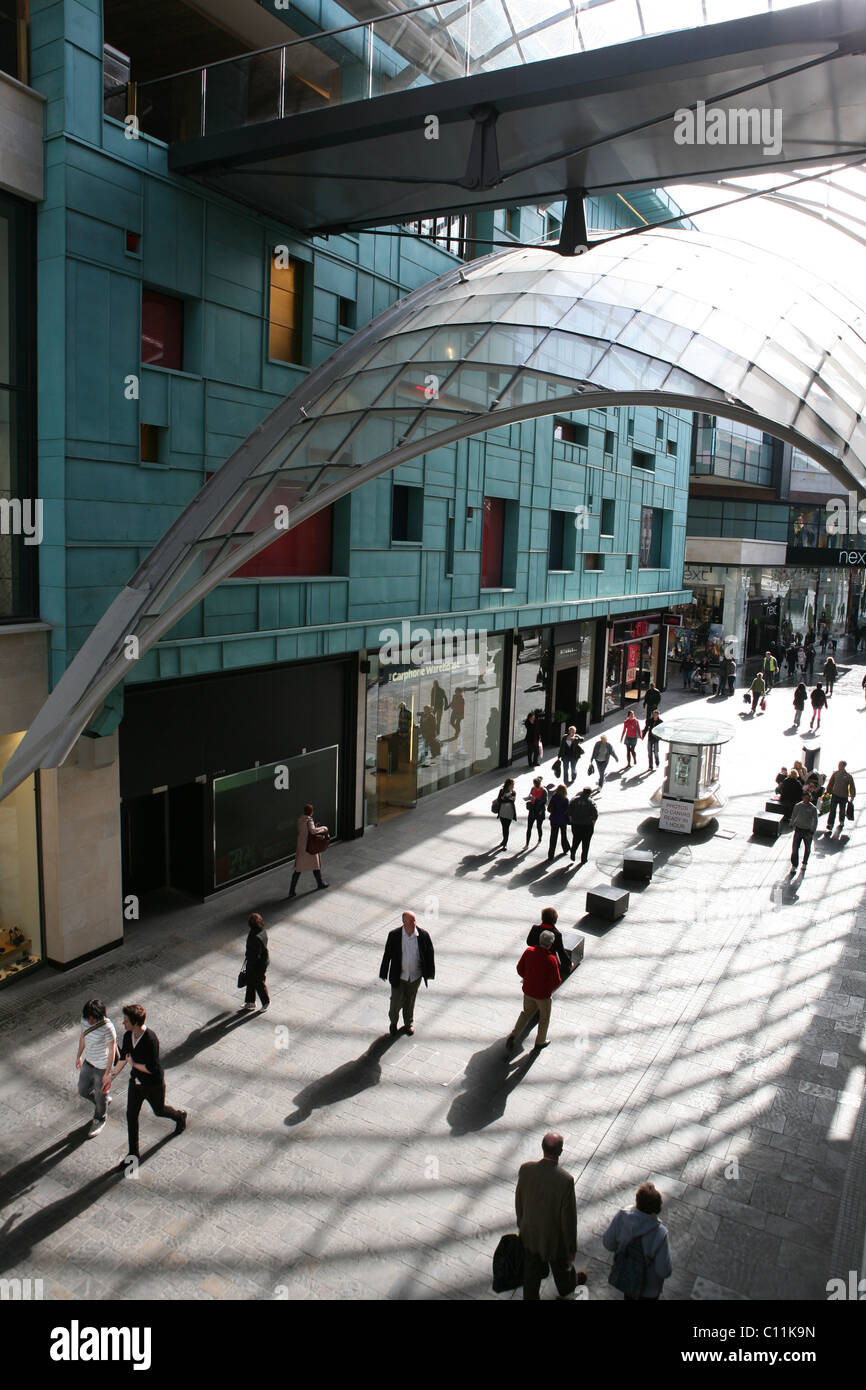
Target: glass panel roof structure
{"x":677,"y":318}
{"x":503,"y":33}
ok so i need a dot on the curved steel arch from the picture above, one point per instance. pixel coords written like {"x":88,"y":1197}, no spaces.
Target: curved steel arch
{"x":676,"y":318}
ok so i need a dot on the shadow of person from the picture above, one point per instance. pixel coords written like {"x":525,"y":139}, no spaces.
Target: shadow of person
{"x":490,"y":1077}
{"x":23,"y":1177}
{"x":18,"y":1242}
{"x":347,"y":1080}
{"x":205,"y":1036}
{"x":473,"y":861}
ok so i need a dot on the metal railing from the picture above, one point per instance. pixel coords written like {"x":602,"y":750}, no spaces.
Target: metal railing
{"x":331,"y":68}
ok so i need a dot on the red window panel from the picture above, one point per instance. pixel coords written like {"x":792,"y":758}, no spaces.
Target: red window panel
{"x":492,"y":536}
{"x":304,"y":550}
{"x":161,"y":330}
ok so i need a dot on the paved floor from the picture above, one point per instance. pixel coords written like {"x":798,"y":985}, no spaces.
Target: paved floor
{"x":713,"y":1039}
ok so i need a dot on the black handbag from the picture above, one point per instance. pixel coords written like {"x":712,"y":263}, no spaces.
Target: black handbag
{"x":557,"y":768}
{"x":849,"y":811}
{"x":508,"y":1264}
{"x":242,"y":977}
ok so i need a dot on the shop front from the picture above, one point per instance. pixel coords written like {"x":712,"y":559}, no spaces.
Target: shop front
{"x":634,"y":646}
{"x":430,"y":724}
{"x":532,"y":682}
{"x":573,"y":665}
{"x":214,"y":772}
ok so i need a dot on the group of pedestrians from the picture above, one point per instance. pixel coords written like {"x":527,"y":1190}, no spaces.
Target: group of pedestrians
{"x":802,"y":798}
{"x":545,"y":1202}
{"x":578,"y":815}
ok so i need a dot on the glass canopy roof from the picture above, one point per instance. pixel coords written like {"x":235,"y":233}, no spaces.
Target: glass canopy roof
{"x":677,"y":318}
{"x":503,"y":33}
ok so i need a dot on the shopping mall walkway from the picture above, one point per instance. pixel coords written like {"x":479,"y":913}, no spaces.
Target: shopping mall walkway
{"x":713,"y":1039}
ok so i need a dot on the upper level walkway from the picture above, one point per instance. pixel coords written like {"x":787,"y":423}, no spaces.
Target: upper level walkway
{"x":476,"y":104}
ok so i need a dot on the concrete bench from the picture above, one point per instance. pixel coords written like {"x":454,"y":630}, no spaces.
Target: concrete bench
{"x":774,"y":808}
{"x":638,"y":863}
{"x":607,"y":902}
{"x":768,"y":825}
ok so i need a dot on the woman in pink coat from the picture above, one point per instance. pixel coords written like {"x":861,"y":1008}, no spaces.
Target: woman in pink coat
{"x":303,"y":859}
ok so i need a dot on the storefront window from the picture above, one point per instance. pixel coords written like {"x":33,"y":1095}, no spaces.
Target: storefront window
{"x":531,"y":680}
{"x":632,"y":661}
{"x":20,"y":932}
{"x":435,"y":724}
{"x":256,"y":811}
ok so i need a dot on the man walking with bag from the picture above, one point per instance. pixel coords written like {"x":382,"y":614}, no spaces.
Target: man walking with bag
{"x":408,"y":960}
{"x":841,"y":787}
{"x":547,"y":1221}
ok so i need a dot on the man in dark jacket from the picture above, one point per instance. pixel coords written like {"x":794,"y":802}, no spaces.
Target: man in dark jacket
{"x":258,"y":959}
{"x":540,"y":972}
{"x":652,"y":699}
{"x":583,"y":814}
{"x":547,"y":1220}
{"x":408,"y":960}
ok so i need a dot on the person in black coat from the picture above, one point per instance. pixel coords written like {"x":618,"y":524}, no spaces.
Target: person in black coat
{"x":408,"y":960}
{"x":549,"y":919}
{"x":583,"y":814}
{"x":533,"y":739}
{"x":257,"y":961}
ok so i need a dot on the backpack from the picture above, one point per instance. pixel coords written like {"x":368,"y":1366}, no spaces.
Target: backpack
{"x":630,"y":1266}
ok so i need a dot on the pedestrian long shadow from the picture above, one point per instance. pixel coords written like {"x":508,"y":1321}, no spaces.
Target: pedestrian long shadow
{"x":18,"y":1242}
{"x":469,"y":862}
{"x":209,"y":1033}
{"x":347,"y":1080}
{"x":24,"y":1176}
{"x":491,"y":1076}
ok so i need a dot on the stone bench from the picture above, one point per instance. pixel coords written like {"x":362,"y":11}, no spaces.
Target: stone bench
{"x":768,"y":825}
{"x":774,"y":807}
{"x":607,"y":902}
{"x":638,"y":863}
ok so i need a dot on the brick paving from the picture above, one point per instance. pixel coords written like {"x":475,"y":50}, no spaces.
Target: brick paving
{"x":713,"y":1040}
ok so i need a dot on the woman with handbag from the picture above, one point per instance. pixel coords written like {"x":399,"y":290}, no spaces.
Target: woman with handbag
{"x":505,"y":808}
{"x":256,"y":961}
{"x":312,"y":840}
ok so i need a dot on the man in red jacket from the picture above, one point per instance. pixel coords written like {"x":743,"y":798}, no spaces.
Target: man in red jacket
{"x":540,"y":971}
